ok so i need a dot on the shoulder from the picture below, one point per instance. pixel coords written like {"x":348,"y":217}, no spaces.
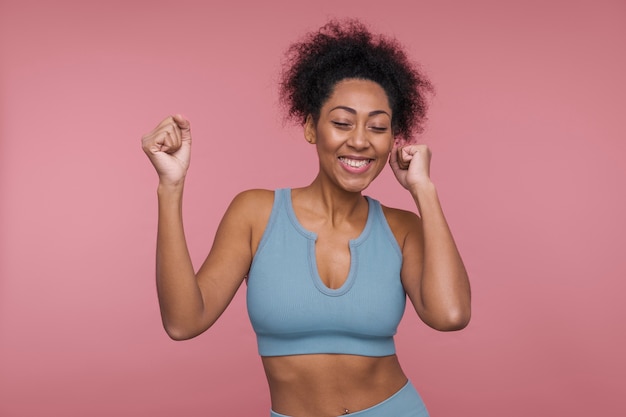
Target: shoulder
{"x":251,"y":204}
{"x":251,"y":210}
{"x":404,"y":224}
{"x":254,"y":196}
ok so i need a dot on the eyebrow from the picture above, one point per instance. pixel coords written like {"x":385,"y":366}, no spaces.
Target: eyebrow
{"x":351,"y":110}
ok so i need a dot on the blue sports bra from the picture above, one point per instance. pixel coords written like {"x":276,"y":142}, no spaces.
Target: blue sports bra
{"x":293,"y":312}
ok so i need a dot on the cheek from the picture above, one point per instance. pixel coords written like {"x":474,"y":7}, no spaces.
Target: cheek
{"x":391,"y":143}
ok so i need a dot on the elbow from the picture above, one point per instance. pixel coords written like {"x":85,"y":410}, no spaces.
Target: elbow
{"x":452,"y":321}
{"x":457,"y":323}
{"x":179,"y":333}
{"x":183,"y":327}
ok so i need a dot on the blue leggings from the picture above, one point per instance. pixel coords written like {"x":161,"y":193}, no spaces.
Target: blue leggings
{"x":404,"y":403}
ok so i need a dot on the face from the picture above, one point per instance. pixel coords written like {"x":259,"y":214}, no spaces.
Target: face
{"x":353,"y":134}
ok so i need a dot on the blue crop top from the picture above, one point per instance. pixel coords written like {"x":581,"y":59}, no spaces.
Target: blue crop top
{"x":293,"y":312}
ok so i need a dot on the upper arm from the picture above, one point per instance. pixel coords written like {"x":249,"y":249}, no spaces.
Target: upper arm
{"x":230,"y":257}
{"x":433,"y":276}
{"x":407,"y":229}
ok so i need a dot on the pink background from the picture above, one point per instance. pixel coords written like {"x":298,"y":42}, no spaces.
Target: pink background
{"x":528,"y":136}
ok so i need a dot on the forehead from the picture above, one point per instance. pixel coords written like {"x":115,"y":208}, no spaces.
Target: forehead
{"x":365,"y":95}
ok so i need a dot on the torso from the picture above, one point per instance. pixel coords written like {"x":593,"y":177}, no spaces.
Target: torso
{"x":326,"y":385}
{"x":320,"y":385}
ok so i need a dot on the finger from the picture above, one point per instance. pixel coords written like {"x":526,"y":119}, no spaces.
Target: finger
{"x":404,"y":158}
{"x":167,"y":121}
{"x":155,"y":141}
{"x":175,"y":133}
{"x":421,"y":149}
{"x":165,"y":139}
{"x":176,"y":137}
{"x":155,"y":132}
{"x":180,"y":120}
{"x":410,"y":150}
{"x":184,"y":126}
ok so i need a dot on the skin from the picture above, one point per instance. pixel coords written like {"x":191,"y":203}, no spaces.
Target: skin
{"x":354,"y":123}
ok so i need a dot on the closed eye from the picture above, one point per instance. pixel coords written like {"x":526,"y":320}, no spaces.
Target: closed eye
{"x":341,"y":125}
{"x":378,"y":128}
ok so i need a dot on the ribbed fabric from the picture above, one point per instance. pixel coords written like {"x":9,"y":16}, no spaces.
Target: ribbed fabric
{"x":404,"y":403}
{"x":293,"y":312}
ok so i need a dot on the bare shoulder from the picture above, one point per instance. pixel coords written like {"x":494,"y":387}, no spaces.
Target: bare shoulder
{"x":254,"y":199}
{"x":403,"y":223}
{"x":253,"y":207}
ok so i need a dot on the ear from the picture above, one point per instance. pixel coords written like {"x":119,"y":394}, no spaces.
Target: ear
{"x":309,"y":130}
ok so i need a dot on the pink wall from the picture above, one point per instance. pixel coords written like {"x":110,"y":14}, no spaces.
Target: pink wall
{"x":528,"y":139}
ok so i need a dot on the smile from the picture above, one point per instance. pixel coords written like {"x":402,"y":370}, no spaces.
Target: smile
{"x":355,"y":163}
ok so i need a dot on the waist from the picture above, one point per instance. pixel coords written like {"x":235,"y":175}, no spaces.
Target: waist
{"x":323,"y":384}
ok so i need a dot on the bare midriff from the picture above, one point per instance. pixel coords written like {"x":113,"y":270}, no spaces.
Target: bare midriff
{"x":323,"y":385}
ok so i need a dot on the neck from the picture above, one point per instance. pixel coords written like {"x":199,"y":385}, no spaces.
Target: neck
{"x":330,"y":201}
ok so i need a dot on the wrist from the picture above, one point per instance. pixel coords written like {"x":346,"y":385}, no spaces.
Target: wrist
{"x":421,"y":187}
{"x":424,"y":194}
{"x":166,"y":188}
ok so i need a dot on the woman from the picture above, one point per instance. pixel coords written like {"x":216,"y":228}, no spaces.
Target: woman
{"x":328,"y":270}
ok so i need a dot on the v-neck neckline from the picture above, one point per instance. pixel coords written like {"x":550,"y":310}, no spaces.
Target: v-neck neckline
{"x":312,"y":239}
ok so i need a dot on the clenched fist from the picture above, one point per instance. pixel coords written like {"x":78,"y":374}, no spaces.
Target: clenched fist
{"x":169,"y":148}
{"x":411,"y":165}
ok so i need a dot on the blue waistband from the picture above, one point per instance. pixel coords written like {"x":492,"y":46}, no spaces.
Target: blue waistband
{"x":404,"y":403}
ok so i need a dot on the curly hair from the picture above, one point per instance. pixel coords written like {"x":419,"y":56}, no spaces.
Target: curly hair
{"x":347,"y":49}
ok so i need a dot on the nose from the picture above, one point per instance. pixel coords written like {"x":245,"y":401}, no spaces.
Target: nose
{"x":358,"y":139}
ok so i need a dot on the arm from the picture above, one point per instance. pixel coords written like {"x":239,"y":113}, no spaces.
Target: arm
{"x":190,"y":303}
{"x":433,"y":273}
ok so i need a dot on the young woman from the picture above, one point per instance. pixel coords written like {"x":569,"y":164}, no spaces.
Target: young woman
{"x":328,"y":269}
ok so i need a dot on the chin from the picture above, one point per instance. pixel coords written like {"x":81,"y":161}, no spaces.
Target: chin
{"x":355,"y":188}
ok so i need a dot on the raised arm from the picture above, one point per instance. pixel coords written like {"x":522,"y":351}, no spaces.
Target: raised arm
{"x":433,"y":273}
{"x":190,"y":303}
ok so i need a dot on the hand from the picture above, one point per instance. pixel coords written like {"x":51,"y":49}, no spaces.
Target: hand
{"x":411,"y":165}
{"x":168,"y":147}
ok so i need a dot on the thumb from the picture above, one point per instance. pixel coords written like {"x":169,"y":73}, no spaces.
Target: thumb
{"x":401,"y":157}
{"x":184,"y":126}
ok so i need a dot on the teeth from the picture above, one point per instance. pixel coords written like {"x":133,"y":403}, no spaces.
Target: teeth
{"x":355,"y":163}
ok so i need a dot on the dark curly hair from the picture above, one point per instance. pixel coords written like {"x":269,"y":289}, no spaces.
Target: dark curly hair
{"x":347,"y":49}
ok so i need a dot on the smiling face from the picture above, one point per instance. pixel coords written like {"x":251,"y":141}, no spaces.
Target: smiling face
{"x":353,"y":134}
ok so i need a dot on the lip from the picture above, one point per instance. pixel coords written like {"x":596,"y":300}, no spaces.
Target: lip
{"x":355,"y":169}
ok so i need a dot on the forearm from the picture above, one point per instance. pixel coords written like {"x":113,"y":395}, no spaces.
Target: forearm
{"x":445,"y":289}
{"x":180,"y":298}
